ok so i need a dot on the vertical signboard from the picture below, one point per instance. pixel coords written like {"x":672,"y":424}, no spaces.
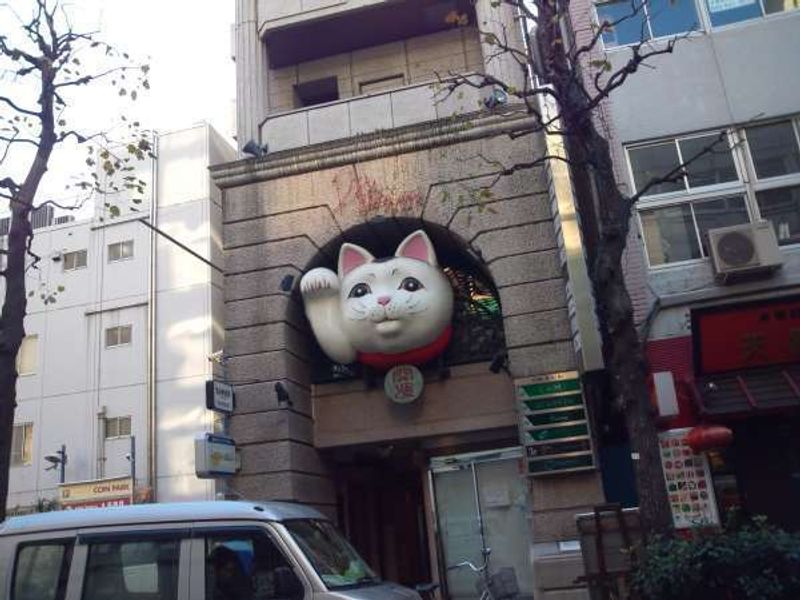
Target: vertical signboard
{"x":554,"y":425}
{"x":688,"y":478}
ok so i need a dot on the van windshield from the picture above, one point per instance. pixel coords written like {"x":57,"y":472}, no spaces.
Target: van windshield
{"x":335,"y":560}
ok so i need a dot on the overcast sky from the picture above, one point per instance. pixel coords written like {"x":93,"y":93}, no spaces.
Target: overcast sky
{"x":188,"y":46}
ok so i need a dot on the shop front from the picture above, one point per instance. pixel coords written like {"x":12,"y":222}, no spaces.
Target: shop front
{"x":736,"y":389}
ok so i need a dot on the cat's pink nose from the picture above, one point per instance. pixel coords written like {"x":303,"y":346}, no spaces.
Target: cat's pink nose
{"x":384,"y":300}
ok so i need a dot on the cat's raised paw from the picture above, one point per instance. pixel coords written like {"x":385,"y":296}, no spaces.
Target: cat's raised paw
{"x":318,"y":282}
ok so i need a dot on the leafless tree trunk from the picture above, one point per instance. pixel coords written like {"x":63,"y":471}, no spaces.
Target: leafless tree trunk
{"x":43,"y":48}
{"x":554,"y":70}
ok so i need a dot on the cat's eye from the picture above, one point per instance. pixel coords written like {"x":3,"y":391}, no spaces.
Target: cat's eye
{"x":411,"y":284}
{"x":359,"y":290}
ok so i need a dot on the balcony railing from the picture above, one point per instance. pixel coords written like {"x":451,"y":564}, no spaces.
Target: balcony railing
{"x":409,"y":105}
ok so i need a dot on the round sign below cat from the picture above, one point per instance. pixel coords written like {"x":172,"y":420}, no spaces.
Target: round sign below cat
{"x":403,"y":384}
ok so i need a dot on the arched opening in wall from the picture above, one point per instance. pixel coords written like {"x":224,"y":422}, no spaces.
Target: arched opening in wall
{"x":477,"y":326}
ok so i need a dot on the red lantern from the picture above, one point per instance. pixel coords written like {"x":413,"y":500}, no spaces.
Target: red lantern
{"x":708,"y":437}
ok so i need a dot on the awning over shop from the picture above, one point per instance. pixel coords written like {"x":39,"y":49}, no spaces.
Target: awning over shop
{"x":748,"y":392}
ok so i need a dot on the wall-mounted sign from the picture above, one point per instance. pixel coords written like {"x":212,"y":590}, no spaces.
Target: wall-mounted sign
{"x":403,"y":384}
{"x":381,"y":313}
{"x":220,"y":396}
{"x":554,"y":425}
{"x":689,"y":485}
{"x":214,"y":456}
{"x":745,"y":336}
{"x":99,"y":493}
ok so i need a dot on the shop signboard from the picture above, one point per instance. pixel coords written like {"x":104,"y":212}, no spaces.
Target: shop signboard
{"x":220,"y":396}
{"x":746,"y":336}
{"x":688,"y":478}
{"x":99,"y":493}
{"x":554,"y":424}
{"x":214,"y":456}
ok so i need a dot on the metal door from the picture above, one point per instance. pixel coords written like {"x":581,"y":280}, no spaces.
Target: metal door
{"x":481,"y":503}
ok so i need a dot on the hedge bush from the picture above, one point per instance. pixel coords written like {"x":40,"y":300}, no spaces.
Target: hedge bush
{"x":750,"y":561}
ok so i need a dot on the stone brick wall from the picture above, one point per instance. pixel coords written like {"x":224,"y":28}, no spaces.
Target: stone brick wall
{"x":277,"y":223}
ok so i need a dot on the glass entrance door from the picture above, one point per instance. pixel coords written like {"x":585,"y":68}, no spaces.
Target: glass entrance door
{"x":482,"y":504}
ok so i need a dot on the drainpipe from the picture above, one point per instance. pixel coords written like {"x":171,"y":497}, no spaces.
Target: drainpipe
{"x":152,"y":426}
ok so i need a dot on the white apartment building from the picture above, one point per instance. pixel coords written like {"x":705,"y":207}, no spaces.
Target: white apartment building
{"x":123,"y":351}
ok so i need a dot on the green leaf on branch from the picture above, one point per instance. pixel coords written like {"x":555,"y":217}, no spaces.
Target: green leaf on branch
{"x":601,"y":64}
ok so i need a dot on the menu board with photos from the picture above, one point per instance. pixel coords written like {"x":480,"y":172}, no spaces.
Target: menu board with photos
{"x":688,"y":478}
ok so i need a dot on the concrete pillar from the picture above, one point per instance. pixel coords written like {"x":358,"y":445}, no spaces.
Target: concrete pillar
{"x":504,"y":23}
{"x":251,"y":73}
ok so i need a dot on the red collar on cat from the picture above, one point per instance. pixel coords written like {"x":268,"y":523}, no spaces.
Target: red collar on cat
{"x":417,"y":356}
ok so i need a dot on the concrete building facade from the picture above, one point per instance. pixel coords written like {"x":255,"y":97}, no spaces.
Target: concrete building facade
{"x":732,"y":77}
{"x":364,"y":146}
{"x":123,"y":350}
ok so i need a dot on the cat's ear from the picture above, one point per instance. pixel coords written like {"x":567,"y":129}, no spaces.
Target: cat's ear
{"x":352,"y":256}
{"x":417,"y":245}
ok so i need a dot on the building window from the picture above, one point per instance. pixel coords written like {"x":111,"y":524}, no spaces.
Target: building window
{"x":118,"y":336}
{"x":117,"y":427}
{"x":634,"y":22}
{"x":120,"y":251}
{"x":27,"y":357}
{"x":73,"y":260}
{"x":22,"y":445}
{"x":774,"y":148}
{"x":676,"y":215}
{"x":382,"y":85}
{"x":775,"y":154}
{"x":318,"y":91}
{"x":679,"y":232}
{"x":713,"y":167}
{"x":725,"y":12}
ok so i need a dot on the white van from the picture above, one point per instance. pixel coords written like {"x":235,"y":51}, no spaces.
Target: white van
{"x":182,"y":551}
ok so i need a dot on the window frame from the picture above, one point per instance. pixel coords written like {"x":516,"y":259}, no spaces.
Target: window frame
{"x":118,"y":420}
{"x":64,"y":255}
{"x":273,"y":531}
{"x":704,"y":22}
{"x":68,"y":543}
{"x":118,"y":328}
{"x":747,"y":184}
{"x":178,"y":533}
{"x":651,"y":37}
{"x":18,"y":364}
{"x":698,"y":235}
{"x":26,"y":426}
{"x":121,"y":245}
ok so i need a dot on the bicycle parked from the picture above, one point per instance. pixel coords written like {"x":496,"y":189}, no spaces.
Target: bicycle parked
{"x":501,"y":585}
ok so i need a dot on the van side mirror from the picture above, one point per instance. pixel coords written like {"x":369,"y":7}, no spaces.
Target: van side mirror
{"x":287,"y":584}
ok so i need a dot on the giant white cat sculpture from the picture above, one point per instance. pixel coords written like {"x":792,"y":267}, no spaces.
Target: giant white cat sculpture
{"x":382,"y":312}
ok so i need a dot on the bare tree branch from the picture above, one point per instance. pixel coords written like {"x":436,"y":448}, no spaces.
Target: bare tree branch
{"x":19,"y":109}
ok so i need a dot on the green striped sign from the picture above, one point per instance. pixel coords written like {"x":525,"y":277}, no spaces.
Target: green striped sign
{"x":551,"y":418}
{"x":565,"y":463}
{"x":547,"y":388}
{"x":550,"y":403}
{"x":556,"y":433}
{"x":554,"y":423}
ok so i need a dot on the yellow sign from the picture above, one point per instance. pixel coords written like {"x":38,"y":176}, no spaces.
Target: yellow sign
{"x":100,"y":492}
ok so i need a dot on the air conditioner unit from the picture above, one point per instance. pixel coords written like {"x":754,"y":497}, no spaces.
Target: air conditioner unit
{"x":743,"y":250}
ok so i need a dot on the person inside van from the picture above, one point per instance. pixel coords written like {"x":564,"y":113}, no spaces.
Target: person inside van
{"x":229,"y":581}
